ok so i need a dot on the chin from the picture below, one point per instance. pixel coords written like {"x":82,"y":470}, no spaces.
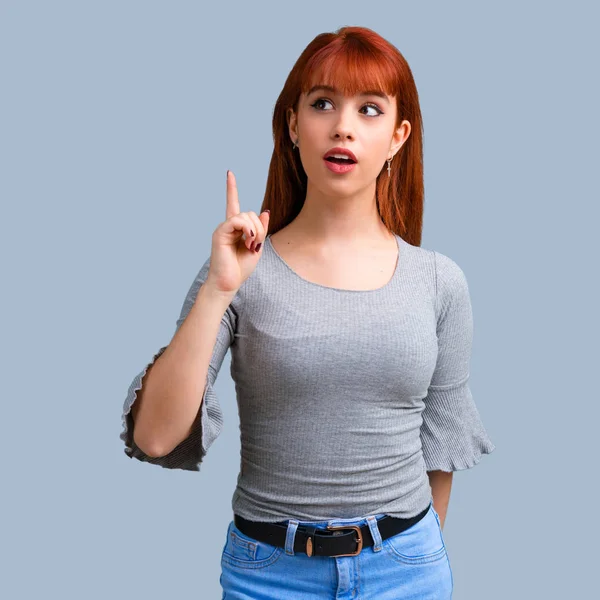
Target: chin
{"x":340,"y":188}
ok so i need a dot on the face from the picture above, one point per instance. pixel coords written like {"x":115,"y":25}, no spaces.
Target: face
{"x":364,"y":124}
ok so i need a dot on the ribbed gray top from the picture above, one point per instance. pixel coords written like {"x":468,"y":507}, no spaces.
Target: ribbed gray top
{"x":346,"y":397}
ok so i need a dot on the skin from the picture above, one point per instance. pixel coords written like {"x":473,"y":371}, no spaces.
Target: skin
{"x":339,"y":211}
{"x":441,"y":484}
{"x":339,"y":215}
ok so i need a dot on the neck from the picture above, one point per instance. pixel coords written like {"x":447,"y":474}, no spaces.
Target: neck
{"x":340,"y":220}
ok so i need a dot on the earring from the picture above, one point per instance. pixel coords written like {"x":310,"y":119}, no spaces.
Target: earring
{"x":389,"y":168}
{"x":295,"y":144}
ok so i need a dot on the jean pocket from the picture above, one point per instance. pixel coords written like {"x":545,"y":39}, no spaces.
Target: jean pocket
{"x":421,"y":543}
{"x":245,"y":552}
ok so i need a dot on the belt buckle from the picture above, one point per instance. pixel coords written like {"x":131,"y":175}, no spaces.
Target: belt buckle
{"x":359,"y":540}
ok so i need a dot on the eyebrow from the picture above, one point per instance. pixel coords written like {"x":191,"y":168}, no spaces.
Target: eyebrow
{"x":333,"y":90}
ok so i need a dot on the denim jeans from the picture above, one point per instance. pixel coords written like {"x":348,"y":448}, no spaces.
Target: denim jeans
{"x":412,"y":565}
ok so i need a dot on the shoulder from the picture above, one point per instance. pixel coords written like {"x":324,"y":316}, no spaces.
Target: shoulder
{"x":448,"y":273}
{"x":442,"y":266}
{"x":418,"y":257}
{"x":447,"y":278}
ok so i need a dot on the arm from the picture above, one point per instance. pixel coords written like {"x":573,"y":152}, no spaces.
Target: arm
{"x":441,"y":484}
{"x":171,"y":395}
{"x":452,"y":434}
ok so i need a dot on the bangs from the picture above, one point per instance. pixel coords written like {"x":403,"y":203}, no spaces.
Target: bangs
{"x":350,"y":69}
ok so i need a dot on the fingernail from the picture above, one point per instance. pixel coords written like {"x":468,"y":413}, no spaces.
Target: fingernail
{"x":268,"y":212}
{"x":227,"y":174}
{"x":252,"y":233}
{"x":257,"y":248}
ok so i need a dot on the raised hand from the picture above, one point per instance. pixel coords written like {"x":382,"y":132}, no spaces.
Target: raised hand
{"x":233,"y":257}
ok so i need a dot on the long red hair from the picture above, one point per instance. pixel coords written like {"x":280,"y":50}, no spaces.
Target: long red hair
{"x":352,"y":59}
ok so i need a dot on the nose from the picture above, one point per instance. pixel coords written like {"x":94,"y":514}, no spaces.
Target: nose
{"x":346,"y":136}
{"x":343,"y":128}
{"x":342,"y":132}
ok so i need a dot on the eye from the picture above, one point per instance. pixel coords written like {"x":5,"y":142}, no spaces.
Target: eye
{"x":314,"y":104}
{"x":379,"y":111}
{"x":368,"y":105}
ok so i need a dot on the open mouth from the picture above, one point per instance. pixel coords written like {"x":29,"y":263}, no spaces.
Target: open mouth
{"x":340,"y":161}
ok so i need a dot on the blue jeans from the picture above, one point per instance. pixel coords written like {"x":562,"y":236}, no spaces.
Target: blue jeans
{"x":412,"y":565}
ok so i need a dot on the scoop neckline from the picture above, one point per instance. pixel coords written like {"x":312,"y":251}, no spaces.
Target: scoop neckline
{"x":390,"y":282}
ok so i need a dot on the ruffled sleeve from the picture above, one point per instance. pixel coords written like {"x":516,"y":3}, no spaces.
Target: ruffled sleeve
{"x":190,"y":452}
{"x":452,"y":434}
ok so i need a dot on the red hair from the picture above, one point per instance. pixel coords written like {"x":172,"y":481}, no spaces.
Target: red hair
{"x":352,"y":59}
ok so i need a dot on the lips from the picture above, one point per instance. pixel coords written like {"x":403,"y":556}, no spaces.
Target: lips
{"x":348,"y":155}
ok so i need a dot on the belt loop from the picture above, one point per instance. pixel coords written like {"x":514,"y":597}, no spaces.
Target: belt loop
{"x":291,"y":536}
{"x":375,"y":533}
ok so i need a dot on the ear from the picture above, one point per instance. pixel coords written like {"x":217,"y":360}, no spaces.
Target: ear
{"x":400,"y":136}
{"x":292,"y":120}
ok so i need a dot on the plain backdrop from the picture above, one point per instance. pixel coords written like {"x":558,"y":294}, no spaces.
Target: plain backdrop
{"x":118,"y":121}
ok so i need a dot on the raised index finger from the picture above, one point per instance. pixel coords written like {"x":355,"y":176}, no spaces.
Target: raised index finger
{"x":233,"y":203}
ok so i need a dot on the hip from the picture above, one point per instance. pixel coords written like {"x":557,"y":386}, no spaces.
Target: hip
{"x":382,"y":565}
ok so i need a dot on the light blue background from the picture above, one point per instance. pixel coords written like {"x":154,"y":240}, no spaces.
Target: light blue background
{"x":118,"y":122}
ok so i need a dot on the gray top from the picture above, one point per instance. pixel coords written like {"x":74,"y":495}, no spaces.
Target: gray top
{"x":346,"y":397}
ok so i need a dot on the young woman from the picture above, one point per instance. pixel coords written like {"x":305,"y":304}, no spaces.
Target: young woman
{"x":350,"y":349}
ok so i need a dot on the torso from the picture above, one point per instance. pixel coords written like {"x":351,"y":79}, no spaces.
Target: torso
{"x":349,"y":268}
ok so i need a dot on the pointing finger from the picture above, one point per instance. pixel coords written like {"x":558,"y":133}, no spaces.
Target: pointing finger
{"x":233,"y":203}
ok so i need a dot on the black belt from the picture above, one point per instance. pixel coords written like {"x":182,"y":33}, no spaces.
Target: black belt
{"x":314,"y":541}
